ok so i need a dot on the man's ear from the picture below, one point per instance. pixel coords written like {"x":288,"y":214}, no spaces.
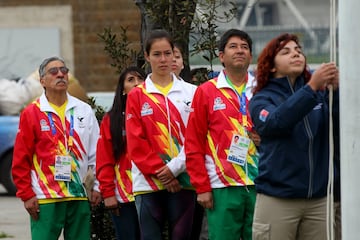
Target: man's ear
{"x":273,"y":70}
{"x":42,"y":81}
{"x":221,"y":56}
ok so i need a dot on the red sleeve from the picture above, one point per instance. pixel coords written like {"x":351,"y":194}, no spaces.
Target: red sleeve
{"x":105,"y":161}
{"x":195,"y":143}
{"x":24,"y":149}
{"x":138,"y":144}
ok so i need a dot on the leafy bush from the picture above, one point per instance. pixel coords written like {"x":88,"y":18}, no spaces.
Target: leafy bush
{"x":101,"y":224}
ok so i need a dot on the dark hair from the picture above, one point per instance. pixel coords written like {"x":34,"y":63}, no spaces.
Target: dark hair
{"x":266,"y":59}
{"x":178,"y":46}
{"x":184,"y":73}
{"x":231,"y":33}
{"x":157,"y":34}
{"x":117,"y":112}
{"x":200,"y":74}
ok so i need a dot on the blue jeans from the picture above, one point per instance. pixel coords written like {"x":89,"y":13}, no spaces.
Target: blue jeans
{"x":126,"y":223}
{"x":158,"y":208}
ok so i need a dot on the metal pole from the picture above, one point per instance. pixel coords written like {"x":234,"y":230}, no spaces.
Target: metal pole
{"x":245,"y":16}
{"x":349,"y":56}
{"x":302,"y":21}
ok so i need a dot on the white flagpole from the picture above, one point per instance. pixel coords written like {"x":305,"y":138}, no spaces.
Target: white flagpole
{"x":349,"y":63}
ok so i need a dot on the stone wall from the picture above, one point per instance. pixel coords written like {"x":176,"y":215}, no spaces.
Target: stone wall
{"x":89,"y":18}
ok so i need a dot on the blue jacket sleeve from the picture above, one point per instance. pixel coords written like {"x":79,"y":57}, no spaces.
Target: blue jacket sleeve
{"x":275,"y":114}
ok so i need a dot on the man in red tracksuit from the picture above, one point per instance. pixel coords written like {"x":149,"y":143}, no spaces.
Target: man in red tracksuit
{"x":221,"y":156}
{"x":54,"y":148}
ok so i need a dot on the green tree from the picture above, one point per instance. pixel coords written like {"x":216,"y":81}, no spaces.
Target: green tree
{"x":175,"y":16}
{"x":119,"y":50}
{"x":205,"y":27}
{"x":184,"y":17}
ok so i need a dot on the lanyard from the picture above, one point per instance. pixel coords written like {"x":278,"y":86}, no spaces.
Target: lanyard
{"x":69,"y":142}
{"x":242,"y":101}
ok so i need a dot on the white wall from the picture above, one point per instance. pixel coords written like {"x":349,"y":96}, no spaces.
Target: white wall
{"x":30,"y":34}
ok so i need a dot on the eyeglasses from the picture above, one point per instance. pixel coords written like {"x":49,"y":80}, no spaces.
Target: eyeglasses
{"x":55,"y":70}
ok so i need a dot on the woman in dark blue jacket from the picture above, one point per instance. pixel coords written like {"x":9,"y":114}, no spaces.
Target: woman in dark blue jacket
{"x":290,"y":111}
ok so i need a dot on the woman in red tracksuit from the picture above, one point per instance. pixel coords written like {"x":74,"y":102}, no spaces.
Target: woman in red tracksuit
{"x":156,"y":117}
{"x":113,"y":169}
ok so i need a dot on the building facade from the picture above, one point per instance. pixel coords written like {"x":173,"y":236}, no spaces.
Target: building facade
{"x":69,"y":29}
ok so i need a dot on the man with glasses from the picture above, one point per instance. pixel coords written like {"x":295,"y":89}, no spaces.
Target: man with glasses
{"x":54,"y":148}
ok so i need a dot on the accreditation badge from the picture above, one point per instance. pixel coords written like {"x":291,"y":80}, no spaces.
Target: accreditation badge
{"x":62,"y":168}
{"x":238,"y":149}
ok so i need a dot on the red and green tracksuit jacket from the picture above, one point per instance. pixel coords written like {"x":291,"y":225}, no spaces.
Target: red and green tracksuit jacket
{"x":155,"y":130}
{"x":213,"y":122}
{"x":114,"y":176}
{"x":36,"y":146}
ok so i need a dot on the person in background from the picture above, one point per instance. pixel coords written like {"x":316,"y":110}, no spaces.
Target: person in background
{"x":178,"y":63}
{"x":290,"y":112}
{"x":54,"y":148}
{"x":223,"y":172}
{"x":113,"y":166}
{"x":156,"y":116}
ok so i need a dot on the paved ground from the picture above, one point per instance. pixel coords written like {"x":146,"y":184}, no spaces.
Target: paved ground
{"x":14,"y":220}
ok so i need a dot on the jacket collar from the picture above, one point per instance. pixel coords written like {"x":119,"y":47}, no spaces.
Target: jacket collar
{"x":151,"y":88}
{"x":45,"y":105}
{"x":284,"y":82}
{"x":250,"y":84}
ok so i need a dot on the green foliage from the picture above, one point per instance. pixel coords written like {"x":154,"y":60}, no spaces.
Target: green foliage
{"x":99,"y":110}
{"x":175,"y":16}
{"x":181,"y":20}
{"x":197,"y":18}
{"x":205,"y":27}
{"x":101,"y":224}
{"x":119,"y":50}
{"x":4,"y":235}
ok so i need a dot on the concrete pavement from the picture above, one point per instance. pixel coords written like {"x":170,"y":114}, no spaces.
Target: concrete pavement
{"x":14,"y":220}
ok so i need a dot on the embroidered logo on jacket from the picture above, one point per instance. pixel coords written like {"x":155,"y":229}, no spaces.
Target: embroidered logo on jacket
{"x":81,"y":123}
{"x":263,"y":115}
{"x":318,"y":106}
{"x":188,"y":108}
{"x":44,"y":126}
{"x":187,"y":103}
{"x":219,"y":104}
{"x":146,"y":110}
